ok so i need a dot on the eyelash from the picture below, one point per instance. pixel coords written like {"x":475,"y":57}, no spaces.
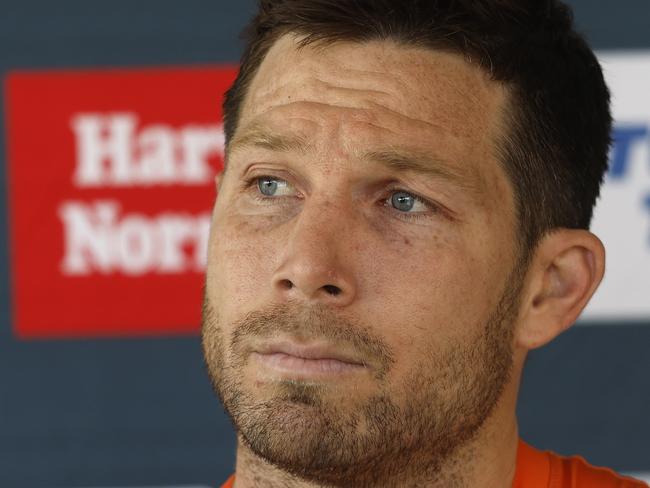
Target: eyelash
{"x":408,"y":216}
{"x":251,"y":184}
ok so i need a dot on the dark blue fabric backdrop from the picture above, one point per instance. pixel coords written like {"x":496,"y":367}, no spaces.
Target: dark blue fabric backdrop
{"x":141,"y":412}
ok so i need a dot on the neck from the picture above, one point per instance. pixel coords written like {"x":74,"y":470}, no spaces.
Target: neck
{"x":488,"y":460}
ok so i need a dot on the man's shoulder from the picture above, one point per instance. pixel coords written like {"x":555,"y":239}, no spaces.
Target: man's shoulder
{"x":565,"y":472}
{"x":230,"y":482}
{"x":578,"y":469}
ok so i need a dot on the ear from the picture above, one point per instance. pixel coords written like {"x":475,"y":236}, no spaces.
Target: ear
{"x":564,"y":273}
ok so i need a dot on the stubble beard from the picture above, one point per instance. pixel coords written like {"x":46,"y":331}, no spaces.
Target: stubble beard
{"x":408,"y":431}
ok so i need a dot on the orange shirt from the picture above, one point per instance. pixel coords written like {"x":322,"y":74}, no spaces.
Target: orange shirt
{"x":537,"y":469}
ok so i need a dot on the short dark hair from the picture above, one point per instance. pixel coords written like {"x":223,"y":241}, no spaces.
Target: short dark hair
{"x":555,"y":149}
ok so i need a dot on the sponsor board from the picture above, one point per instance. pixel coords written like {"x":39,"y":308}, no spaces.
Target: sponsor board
{"x":622,"y":216}
{"x":111,"y":182}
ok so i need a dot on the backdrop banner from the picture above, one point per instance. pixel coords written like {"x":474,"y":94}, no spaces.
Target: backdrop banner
{"x":622,"y":217}
{"x":114,"y":172}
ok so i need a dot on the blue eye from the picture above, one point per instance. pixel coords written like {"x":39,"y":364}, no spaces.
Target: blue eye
{"x":270,"y":187}
{"x":402,"y":201}
{"x":267,"y":186}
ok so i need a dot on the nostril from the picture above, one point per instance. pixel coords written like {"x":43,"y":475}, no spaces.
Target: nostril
{"x":332,"y":290}
{"x":286,"y":284}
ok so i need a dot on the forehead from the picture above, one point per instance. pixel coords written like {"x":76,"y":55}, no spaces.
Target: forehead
{"x":352,"y":97}
{"x":431,"y":86}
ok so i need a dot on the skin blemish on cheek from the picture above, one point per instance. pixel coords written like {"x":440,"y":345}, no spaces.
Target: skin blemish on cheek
{"x":232,"y":225}
{"x":244,"y":226}
{"x":256,"y":227}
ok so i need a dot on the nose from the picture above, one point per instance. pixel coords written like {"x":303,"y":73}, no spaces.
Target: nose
{"x":317,"y":261}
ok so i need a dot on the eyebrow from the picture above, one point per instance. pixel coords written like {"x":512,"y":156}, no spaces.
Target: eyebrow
{"x":395,"y":159}
{"x":259,"y":136}
{"x":409,"y":161}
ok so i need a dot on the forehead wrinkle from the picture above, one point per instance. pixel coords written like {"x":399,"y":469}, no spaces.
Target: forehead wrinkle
{"x":369,"y":113}
{"x":260,"y":136}
{"x":351,"y":97}
{"x":397,"y":159}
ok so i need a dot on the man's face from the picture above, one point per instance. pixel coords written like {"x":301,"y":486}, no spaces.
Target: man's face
{"x":360,"y":292}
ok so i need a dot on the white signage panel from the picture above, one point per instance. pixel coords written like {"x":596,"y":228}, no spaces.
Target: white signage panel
{"x":622,"y":216}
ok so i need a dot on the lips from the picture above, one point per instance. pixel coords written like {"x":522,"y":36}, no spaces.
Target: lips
{"x":306,"y":359}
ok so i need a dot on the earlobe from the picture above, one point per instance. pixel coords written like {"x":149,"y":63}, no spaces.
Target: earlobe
{"x":564,"y":273}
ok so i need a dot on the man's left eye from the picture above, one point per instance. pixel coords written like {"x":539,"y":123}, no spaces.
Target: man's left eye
{"x":273,"y":187}
{"x":406,"y":202}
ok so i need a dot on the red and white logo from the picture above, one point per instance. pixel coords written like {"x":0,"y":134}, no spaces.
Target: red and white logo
{"x":111,"y":182}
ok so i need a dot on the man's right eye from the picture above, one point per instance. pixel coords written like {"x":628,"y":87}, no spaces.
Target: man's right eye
{"x":273,"y":187}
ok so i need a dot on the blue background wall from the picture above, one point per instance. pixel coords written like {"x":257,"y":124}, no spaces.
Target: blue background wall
{"x":141,"y":412}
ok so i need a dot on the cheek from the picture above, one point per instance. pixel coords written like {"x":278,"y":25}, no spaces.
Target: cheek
{"x":406,"y":270}
{"x":426,"y":295}
{"x":240,"y":266}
